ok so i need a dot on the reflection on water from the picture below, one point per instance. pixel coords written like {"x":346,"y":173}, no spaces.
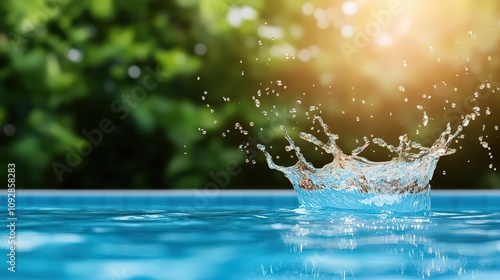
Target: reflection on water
{"x":106,"y":244}
{"x":360,"y":246}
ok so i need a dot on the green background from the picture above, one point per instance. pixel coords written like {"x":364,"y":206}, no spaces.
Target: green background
{"x":64,"y":70}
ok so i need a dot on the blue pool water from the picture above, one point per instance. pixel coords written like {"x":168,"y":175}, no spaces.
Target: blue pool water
{"x":247,"y":235}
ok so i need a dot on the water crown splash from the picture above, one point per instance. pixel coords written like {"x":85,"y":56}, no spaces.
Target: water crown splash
{"x":355,"y":183}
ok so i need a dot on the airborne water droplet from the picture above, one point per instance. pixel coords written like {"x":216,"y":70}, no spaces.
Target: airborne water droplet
{"x":405,"y":63}
{"x":260,"y":42}
{"x":402,"y":88}
{"x":425,"y":119}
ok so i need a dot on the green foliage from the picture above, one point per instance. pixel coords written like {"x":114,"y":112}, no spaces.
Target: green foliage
{"x":69,"y":69}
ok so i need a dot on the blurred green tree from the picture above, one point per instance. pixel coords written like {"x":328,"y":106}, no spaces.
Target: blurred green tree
{"x":137,"y":94}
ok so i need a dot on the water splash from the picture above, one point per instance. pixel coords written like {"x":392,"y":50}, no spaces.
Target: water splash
{"x":354,"y":182}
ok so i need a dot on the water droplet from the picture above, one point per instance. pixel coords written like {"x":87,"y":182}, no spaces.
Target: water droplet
{"x":203,"y":98}
{"x":242,"y":73}
{"x":299,"y":102}
{"x":420,"y":107}
{"x":490,"y":166}
{"x":257,"y":103}
{"x":466,"y":122}
{"x":488,"y":111}
{"x":444,"y":172}
{"x":425,"y":119}
{"x":406,"y":99}
{"x":260,"y":42}
{"x":198,"y":78}
{"x":279,"y":83}
{"x":431,"y":48}
{"x":357,"y":119}
{"x":490,"y":58}
{"x":402,"y":88}
{"x":405,"y":63}
{"x":496,"y":127}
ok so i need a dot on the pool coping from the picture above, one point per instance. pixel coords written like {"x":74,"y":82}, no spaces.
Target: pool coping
{"x":201,"y":199}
